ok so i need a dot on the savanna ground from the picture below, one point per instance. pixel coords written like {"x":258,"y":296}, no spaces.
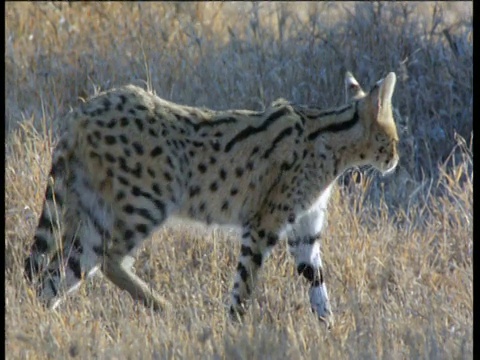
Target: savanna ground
{"x":397,"y":251}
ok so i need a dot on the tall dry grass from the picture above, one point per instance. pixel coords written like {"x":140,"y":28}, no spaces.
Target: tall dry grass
{"x":397,"y":250}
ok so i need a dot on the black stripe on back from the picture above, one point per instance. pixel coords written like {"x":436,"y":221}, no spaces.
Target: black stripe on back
{"x":221,"y":121}
{"x":250,"y":130}
{"x":286,"y":132}
{"x":206,"y":123}
{"x":336,"y":127}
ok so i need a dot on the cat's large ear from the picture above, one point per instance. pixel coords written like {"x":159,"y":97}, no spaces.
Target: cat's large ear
{"x":353,"y":90}
{"x":380,"y":98}
{"x":386,"y":88}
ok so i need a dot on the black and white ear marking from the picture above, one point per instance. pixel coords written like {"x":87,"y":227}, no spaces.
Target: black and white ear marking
{"x":353,"y":90}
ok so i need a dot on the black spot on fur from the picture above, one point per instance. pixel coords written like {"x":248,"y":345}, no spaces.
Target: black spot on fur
{"x":40,"y":243}
{"x":142,"y":228}
{"x":138,"y":148}
{"x":257,"y":259}
{"x":44,"y":222}
{"x":106,"y":104}
{"x":124,"y":121}
{"x":225,"y":205}
{"x":194,"y":190}
{"x":239,"y":171}
{"x":223,"y":174}
{"x":128,"y":235}
{"x":123,"y":180}
{"x":129,"y":209}
{"x":309,"y":273}
{"x":110,"y":158}
{"x":156,"y":151}
{"x":74,"y":265}
{"x":120,"y":196}
{"x":156,"y":189}
{"x":214,"y":186}
{"x":202,"y":168}
{"x":137,"y":171}
{"x":123,"y":139}
{"x":272,"y":240}
{"x":246,"y":251}
{"x":58,"y":168}
{"x":215,"y":145}
{"x":169,"y":162}
{"x":151,"y":172}
{"x":141,"y":107}
{"x":139,"y":124}
{"x":110,"y":140}
{"x":242,"y":271}
{"x":98,"y":250}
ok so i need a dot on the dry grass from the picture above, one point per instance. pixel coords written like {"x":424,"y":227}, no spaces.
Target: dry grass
{"x":397,"y":251}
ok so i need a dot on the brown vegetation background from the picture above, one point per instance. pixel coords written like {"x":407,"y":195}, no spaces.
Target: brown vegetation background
{"x":397,"y":250}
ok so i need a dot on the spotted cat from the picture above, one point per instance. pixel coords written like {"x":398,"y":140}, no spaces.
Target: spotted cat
{"x":127,"y":160}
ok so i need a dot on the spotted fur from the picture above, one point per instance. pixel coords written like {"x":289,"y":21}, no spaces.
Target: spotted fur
{"x":128,"y":160}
